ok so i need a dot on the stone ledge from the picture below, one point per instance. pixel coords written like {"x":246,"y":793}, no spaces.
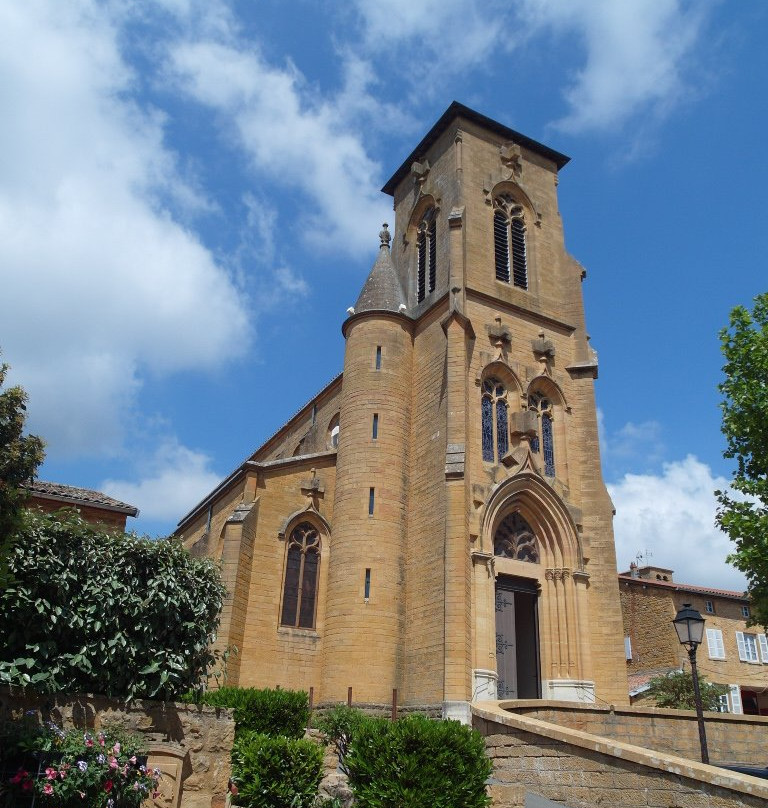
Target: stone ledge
{"x":494,"y":712}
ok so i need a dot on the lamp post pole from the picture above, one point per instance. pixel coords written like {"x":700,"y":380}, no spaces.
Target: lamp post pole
{"x":689,"y":625}
{"x":699,"y":708}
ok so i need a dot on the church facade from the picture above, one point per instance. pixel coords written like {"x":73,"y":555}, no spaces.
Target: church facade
{"x":435,"y":520}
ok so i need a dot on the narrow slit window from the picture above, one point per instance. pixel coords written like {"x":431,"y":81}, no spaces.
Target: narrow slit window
{"x":314,"y":414}
{"x":367,"y":583}
{"x":378,"y":357}
{"x":371,"y":501}
{"x":375,"y":426}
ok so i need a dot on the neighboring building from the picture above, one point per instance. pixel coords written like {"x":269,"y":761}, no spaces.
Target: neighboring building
{"x":731,"y":653}
{"x":93,"y":506}
{"x":435,"y":521}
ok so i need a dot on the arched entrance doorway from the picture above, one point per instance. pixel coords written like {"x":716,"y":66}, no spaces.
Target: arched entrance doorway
{"x":517,"y":638}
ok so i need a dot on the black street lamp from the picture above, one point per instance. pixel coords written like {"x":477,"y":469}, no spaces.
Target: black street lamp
{"x":689,"y":625}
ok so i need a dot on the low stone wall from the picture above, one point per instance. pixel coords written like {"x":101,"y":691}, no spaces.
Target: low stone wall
{"x":581,"y":770}
{"x":190,"y":744}
{"x":730,"y":738}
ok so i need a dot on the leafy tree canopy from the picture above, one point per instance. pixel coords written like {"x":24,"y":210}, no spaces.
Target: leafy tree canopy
{"x":675,"y":690}
{"x":19,"y":458}
{"x":744,"y":516}
{"x":95,"y":611}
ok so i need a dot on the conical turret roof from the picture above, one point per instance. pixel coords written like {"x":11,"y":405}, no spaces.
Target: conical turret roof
{"x":382,"y":290}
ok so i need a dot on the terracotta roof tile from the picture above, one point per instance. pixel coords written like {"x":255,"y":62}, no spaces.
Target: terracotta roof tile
{"x":80,"y":496}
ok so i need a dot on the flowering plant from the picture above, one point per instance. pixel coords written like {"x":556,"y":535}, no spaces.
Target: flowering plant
{"x":97,"y":770}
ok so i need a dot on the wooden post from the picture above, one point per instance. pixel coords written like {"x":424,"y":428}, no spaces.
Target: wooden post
{"x":349,"y":697}
{"x":394,"y":704}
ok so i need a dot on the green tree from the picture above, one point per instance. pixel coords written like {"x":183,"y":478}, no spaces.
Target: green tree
{"x":743,"y":512}
{"x":675,"y":690}
{"x":95,"y":611}
{"x":19,"y":458}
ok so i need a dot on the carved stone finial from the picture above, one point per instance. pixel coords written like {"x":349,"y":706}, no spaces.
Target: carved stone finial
{"x":385,"y":236}
{"x":511,"y":157}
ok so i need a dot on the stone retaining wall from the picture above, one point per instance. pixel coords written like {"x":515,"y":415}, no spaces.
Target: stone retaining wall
{"x":730,"y":738}
{"x":582,"y":770}
{"x":190,"y":744}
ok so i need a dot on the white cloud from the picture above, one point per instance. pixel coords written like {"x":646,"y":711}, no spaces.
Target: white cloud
{"x":672,"y":515}
{"x":176,"y":479}
{"x":638,"y":443}
{"x":636,"y":56}
{"x":100,"y":282}
{"x":291,"y":137}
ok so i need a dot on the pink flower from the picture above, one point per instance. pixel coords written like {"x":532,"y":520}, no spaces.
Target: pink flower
{"x":63,"y":772}
{"x":89,"y":741}
{"x":116,"y":748}
{"x":132,"y":759}
{"x":51,"y":773}
{"x":101,"y":738}
{"x":112,"y":762}
{"x":48,"y":789}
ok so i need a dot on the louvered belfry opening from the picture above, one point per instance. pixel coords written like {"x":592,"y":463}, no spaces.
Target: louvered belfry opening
{"x":509,"y":242}
{"x":519,"y":263}
{"x":426,"y":275}
{"x":501,"y":246}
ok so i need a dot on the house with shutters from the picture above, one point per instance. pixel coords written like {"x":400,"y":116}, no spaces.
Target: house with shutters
{"x":732,"y":652}
{"x":434,"y":521}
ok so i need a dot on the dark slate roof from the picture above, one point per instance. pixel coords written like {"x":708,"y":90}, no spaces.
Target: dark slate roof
{"x":457,"y":110}
{"x":79,"y":496}
{"x":382,"y":290}
{"x":694,"y":590}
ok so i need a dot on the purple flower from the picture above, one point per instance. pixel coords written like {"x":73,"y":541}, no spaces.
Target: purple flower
{"x":82,"y":765}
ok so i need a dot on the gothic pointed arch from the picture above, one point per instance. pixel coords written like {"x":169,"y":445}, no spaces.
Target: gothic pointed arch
{"x":546,"y":402}
{"x":543,"y":511}
{"x":306,"y":536}
{"x":513,"y":215}
{"x":422,"y":232}
{"x":499,"y":396}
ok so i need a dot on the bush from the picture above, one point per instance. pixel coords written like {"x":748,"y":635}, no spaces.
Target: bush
{"x":417,"y":763}
{"x":269,"y":712}
{"x":341,"y":724}
{"x":276,"y":772}
{"x":63,"y":769}
{"x":109,"y":613}
{"x":675,"y":690}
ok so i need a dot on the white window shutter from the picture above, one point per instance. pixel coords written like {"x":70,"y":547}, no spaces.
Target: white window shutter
{"x":715,"y":643}
{"x":741,"y":646}
{"x":763,"y":640}
{"x":628,"y":647}
{"x":735,"y":693}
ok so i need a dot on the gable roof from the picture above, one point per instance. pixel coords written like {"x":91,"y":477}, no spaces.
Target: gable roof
{"x":456,"y":110}
{"x":71,"y":495}
{"x":694,"y":590}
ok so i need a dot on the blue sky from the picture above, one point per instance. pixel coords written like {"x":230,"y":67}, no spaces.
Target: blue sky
{"x":189,"y":201}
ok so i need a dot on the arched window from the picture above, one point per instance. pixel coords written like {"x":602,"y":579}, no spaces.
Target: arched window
{"x":426,"y":244}
{"x":515,"y":539}
{"x":509,"y":241}
{"x":302,"y":566}
{"x":544,"y":441}
{"x":333,"y":432}
{"x":495,"y":428}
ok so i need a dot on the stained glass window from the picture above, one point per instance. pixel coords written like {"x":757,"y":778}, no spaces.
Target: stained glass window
{"x":544,"y":440}
{"x":301,"y":575}
{"x":495,"y":426}
{"x":515,"y":539}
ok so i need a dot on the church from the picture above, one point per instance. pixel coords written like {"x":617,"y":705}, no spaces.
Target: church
{"x":435,"y":520}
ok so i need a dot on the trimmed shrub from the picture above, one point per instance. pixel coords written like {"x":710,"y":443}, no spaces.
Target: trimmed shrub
{"x":269,"y":712}
{"x":340,"y":724}
{"x":417,"y":763}
{"x":276,"y":772}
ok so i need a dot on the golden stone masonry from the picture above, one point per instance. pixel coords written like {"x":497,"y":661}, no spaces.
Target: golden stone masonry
{"x":435,"y":520}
